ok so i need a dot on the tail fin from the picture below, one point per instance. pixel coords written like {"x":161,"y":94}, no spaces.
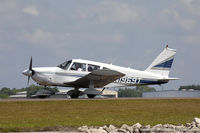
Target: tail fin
{"x":162,"y":64}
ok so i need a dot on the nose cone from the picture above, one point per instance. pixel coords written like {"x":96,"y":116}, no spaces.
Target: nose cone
{"x":27,"y":72}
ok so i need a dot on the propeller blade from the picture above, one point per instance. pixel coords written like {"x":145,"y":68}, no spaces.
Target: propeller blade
{"x":30,"y":66}
{"x":28,"y":80}
{"x":30,"y":69}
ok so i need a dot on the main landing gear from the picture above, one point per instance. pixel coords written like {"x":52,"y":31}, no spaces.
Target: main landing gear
{"x":75,"y":93}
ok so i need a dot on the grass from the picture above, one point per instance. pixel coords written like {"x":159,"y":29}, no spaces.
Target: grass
{"x":35,"y":115}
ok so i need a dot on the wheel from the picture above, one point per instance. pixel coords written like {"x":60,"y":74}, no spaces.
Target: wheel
{"x":42,"y":97}
{"x":91,"y":96}
{"x":74,"y":96}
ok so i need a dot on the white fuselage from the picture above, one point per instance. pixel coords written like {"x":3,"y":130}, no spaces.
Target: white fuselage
{"x":56,"y":76}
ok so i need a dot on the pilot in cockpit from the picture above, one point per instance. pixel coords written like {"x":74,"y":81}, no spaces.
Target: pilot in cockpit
{"x":78,"y":67}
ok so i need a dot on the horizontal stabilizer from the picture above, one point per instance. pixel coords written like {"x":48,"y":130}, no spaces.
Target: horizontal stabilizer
{"x":168,"y":79}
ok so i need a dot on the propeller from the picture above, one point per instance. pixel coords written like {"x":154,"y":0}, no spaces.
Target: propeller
{"x":29,"y":72}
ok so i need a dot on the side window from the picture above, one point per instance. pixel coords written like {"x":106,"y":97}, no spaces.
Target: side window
{"x":78,"y":67}
{"x":92,"y":67}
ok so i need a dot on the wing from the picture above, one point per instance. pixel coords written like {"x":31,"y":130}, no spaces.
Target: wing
{"x":98,"y":78}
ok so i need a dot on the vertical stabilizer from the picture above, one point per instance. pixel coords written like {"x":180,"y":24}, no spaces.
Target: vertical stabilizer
{"x":162,"y":64}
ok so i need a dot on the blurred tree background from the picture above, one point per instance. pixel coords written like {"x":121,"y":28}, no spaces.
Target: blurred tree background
{"x":134,"y":92}
{"x":188,"y":87}
{"x":122,"y":92}
{"x":31,"y":90}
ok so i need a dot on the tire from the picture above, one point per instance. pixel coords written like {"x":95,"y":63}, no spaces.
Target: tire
{"x":91,"y":96}
{"x":74,"y":96}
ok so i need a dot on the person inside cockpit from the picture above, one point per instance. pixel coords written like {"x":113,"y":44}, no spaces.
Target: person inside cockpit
{"x":78,"y":67}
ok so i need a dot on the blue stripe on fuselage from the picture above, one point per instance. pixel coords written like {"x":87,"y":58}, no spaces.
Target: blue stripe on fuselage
{"x":148,"y":82}
{"x":152,"y":82}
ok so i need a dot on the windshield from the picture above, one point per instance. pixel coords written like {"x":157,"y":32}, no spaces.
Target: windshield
{"x":65,"y":65}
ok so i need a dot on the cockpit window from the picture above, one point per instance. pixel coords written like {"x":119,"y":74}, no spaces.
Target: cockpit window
{"x":65,"y":65}
{"x":78,"y":67}
{"x":92,"y":67}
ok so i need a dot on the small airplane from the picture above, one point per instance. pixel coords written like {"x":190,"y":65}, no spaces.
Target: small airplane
{"x":78,"y":73}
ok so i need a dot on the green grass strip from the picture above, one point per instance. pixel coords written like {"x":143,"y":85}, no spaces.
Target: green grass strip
{"x":35,"y":115}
